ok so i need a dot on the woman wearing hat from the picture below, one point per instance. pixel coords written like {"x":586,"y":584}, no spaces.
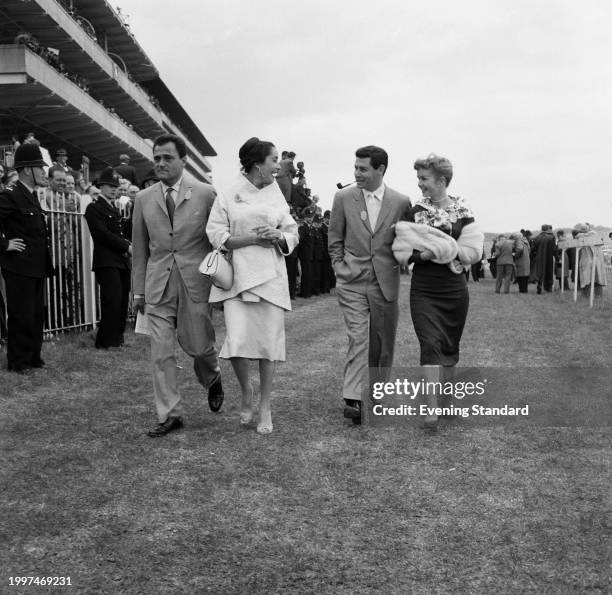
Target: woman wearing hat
{"x":25,"y":260}
{"x":111,"y":261}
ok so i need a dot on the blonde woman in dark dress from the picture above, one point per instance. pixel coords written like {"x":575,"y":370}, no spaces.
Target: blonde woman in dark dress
{"x":439,"y":298}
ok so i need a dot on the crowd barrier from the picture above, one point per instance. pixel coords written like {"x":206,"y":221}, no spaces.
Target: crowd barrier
{"x":71,"y":294}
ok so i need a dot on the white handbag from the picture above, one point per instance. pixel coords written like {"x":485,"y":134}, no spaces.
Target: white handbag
{"x":217,"y":266}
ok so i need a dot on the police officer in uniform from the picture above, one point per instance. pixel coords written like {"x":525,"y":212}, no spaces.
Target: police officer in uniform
{"x":111,"y":261}
{"x":305,"y":254}
{"x":25,"y":260}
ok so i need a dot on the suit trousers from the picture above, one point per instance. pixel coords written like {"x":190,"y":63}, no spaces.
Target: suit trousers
{"x":371,"y":323}
{"x":177,"y":316}
{"x":504,"y":275}
{"x":25,"y":305}
{"x":114,"y":296}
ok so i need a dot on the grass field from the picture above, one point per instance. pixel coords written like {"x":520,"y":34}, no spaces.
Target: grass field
{"x":319,"y":506}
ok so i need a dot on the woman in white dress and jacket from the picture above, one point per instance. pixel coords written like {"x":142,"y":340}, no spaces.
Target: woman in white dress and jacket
{"x":252,"y":220}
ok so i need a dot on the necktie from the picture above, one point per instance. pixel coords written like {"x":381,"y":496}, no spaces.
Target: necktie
{"x":170,"y":205}
{"x":373,"y":206}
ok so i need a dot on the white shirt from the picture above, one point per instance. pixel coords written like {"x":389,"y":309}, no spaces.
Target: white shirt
{"x":373,"y":202}
{"x":174,"y":187}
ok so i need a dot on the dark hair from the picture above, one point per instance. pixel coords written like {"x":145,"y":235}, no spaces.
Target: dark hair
{"x":283,"y":154}
{"x":254,"y":152}
{"x":440,"y":166}
{"x":377,"y":156}
{"x":179,"y":143}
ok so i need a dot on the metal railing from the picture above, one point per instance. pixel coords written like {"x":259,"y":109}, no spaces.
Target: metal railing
{"x":71,"y":295}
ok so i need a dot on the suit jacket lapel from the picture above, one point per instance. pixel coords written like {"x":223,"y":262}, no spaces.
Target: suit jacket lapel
{"x":360,"y":205}
{"x":160,"y":199}
{"x":385,"y":208}
{"x":181,"y":193}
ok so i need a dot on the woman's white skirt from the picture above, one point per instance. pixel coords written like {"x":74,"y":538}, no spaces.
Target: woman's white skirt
{"x":254,"y":330}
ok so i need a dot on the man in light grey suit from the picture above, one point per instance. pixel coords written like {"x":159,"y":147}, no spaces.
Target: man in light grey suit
{"x":169,"y":242}
{"x":360,"y":236}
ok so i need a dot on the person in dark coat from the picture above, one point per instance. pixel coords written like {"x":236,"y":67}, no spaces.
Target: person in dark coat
{"x":111,"y":261}
{"x":562,"y":263}
{"x":299,"y":197}
{"x":327,"y":273}
{"x":318,"y":252}
{"x":125,"y":170}
{"x":25,"y":260}
{"x":61,"y":164}
{"x":545,"y":247}
{"x":522,"y":262}
{"x":291,"y":260}
{"x":305,"y":254}
{"x":505,"y":249}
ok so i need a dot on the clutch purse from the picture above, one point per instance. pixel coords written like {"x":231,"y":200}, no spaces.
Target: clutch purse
{"x":217,"y":266}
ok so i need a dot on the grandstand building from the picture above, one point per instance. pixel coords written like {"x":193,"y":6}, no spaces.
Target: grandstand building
{"x":72,"y":73}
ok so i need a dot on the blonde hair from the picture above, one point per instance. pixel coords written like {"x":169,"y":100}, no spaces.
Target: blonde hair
{"x":440,"y":166}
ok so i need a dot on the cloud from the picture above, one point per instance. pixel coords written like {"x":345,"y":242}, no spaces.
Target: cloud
{"x":516,"y":93}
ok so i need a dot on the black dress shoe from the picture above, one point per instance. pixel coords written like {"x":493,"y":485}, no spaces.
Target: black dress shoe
{"x":171,"y":424}
{"x":352,"y":411}
{"x":215,"y":395}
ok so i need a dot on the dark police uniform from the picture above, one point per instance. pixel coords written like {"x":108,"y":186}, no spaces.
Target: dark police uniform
{"x":305,"y":254}
{"x":21,"y":216}
{"x":111,"y":263}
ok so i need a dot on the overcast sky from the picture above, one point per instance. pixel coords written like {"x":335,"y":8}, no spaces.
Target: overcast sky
{"x":516,"y":93}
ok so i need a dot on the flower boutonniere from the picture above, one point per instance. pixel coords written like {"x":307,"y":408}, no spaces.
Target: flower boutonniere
{"x":188,"y":193}
{"x":363,"y":215}
{"x":238,"y":198}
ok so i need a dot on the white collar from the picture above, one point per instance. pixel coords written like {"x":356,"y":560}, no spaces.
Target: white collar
{"x":174,"y":187}
{"x":378,"y":193}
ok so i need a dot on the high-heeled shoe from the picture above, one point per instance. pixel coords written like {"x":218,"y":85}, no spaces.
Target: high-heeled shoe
{"x":246,"y":417}
{"x":264,"y":427}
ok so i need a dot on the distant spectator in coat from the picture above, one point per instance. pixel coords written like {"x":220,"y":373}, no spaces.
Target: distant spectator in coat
{"x":318,"y":252}
{"x":149,"y":179}
{"x":590,"y":262}
{"x":504,"y":253}
{"x":522,"y":263}
{"x":125,"y":170}
{"x":60,"y":163}
{"x":545,"y":246}
{"x":561,"y":262}
{"x":291,"y":260}
{"x":30,"y":139}
{"x":306,"y":255}
{"x":285,"y":175}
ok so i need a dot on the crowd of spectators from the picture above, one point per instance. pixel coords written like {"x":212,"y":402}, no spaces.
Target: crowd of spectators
{"x":64,"y":199}
{"x":524,"y":258}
